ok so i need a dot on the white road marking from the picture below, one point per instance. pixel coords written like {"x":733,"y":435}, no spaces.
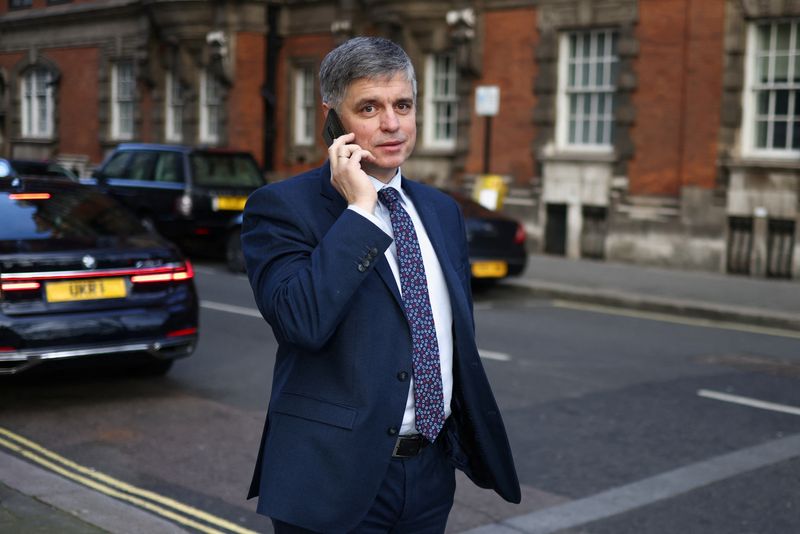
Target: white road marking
{"x":667,"y":318}
{"x":667,"y":485}
{"x":492,"y":355}
{"x":230,"y":308}
{"x":748,"y":401}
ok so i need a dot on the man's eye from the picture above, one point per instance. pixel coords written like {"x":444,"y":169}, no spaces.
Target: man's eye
{"x":368,"y":109}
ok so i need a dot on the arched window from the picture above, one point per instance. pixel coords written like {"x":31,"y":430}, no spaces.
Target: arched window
{"x":37,"y":102}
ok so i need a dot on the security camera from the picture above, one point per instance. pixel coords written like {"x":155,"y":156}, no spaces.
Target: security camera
{"x":216,"y":38}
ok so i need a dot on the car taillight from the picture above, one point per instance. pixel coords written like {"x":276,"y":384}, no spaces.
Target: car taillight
{"x":20,"y":286}
{"x":175,"y":274}
{"x":519,"y":236}
{"x":182,"y":332}
{"x":184,"y":205}
{"x":29,"y":196}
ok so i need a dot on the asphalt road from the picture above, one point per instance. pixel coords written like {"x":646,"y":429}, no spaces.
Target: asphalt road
{"x":619,"y":423}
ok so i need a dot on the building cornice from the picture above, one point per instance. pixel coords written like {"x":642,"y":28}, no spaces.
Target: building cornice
{"x":60,"y":14}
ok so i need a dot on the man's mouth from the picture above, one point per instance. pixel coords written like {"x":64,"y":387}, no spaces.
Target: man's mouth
{"x":393,"y":143}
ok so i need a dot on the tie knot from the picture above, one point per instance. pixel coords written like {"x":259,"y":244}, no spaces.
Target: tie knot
{"x":389,"y":197}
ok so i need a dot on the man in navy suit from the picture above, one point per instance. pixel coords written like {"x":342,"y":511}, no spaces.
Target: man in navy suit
{"x":378,"y":391}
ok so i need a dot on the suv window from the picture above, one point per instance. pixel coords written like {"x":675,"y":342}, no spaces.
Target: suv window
{"x":212,"y":169}
{"x":168,"y":168}
{"x":116,"y":166}
{"x":141,"y":166}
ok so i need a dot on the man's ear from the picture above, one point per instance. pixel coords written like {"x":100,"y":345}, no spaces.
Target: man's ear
{"x":325,"y":109}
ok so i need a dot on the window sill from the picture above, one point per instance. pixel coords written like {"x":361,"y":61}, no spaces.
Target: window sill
{"x":35,"y":140}
{"x":764,"y":162}
{"x":574,"y":154}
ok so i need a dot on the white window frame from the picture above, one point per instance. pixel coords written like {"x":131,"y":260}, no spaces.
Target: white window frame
{"x":304,"y":107}
{"x":752,"y":88}
{"x":440,"y":111}
{"x":36,"y":103}
{"x":123,"y":100}
{"x":173,"y":108}
{"x":210,"y":108}
{"x":592,"y":92}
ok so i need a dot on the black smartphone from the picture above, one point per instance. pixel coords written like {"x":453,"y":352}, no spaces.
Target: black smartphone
{"x":332,"y":128}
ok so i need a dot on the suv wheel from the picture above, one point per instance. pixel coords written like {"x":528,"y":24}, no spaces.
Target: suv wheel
{"x":233,"y":251}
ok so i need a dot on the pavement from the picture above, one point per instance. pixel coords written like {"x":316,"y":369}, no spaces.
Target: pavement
{"x":36,"y":500}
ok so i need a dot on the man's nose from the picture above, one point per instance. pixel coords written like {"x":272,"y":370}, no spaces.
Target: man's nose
{"x":389,"y":121}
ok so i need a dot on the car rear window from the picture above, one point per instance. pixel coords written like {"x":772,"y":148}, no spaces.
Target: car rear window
{"x":238,"y":170}
{"x":40,"y":168}
{"x":70,"y":214}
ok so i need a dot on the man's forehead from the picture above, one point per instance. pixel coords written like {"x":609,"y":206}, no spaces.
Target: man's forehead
{"x":376,"y":87}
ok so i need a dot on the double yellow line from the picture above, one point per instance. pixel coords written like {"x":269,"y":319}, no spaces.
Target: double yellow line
{"x":148,"y":500}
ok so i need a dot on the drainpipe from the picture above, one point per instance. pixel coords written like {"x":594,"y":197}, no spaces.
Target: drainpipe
{"x":273,"y":44}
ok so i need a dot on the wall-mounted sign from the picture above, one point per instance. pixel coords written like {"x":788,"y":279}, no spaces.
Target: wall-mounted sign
{"x":487,"y":100}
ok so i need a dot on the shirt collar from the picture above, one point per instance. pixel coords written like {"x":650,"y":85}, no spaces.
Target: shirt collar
{"x":395,"y":182}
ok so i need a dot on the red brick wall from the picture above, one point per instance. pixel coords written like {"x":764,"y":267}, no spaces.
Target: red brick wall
{"x":145,"y":131}
{"x":704,"y":93}
{"x":245,"y":104}
{"x":305,"y":47}
{"x":78,"y":125}
{"x":510,"y":41}
{"x":679,"y":71}
{"x":8,"y":61}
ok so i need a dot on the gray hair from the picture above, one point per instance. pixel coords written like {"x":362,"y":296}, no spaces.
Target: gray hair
{"x":362,"y":57}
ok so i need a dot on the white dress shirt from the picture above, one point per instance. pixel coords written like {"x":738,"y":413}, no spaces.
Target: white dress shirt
{"x":437,"y":290}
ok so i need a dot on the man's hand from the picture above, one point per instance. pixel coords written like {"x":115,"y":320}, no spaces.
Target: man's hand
{"x":346,"y":174}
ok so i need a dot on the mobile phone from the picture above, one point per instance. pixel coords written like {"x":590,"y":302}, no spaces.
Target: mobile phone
{"x":332,"y":128}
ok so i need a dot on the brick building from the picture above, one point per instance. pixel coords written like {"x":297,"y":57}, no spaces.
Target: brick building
{"x":664,"y":132}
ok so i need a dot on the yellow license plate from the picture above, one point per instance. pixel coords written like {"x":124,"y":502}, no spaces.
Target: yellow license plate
{"x":100,"y":288}
{"x":229,"y":203}
{"x":489,"y":269}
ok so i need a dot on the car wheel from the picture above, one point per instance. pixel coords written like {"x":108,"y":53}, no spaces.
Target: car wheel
{"x":154,"y":367}
{"x":233,"y":251}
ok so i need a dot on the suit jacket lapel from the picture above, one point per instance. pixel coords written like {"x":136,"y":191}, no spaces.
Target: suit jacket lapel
{"x":336,"y":204}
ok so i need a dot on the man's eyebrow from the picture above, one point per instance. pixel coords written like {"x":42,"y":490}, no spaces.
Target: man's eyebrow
{"x":376,"y":101}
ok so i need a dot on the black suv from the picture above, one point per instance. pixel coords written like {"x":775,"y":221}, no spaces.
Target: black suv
{"x":187,"y":194}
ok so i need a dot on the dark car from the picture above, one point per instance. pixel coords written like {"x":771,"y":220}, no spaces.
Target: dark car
{"x":496,"y":242}
{"x":80,"y":276}
{"x":188,"y":194}
{"x":40,"y":169}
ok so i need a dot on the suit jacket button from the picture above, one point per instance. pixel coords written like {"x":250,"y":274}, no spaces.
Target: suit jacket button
{"x":392,"y":431}
{"x":373,"y":252}
{"x":362,"y":267}
{"x":365,"y":263}
{"x":402,"y":376}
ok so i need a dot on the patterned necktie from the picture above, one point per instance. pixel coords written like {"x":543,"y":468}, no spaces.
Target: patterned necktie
{"x":428,"y":395}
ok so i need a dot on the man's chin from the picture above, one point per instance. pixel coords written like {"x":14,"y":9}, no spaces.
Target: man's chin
{"x":383,"y":170}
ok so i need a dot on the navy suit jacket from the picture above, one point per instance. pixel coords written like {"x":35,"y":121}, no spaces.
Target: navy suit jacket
{"x":321,"y":280}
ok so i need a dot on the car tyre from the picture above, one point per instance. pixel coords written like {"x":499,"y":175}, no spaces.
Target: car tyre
{"x":234,"y":256}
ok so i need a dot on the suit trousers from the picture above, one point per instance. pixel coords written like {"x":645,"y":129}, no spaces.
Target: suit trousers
{"x":415,"y":497}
